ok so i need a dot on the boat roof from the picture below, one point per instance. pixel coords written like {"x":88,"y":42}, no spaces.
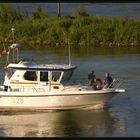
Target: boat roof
{"x":39,"y":67}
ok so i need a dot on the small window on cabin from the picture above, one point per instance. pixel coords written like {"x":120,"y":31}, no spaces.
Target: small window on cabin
{"x":56,"y":76}
{"x":43,"y":76}
{"x":30,"y":75}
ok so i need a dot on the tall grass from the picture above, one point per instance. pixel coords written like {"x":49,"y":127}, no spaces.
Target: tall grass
{"x":81,"y":31}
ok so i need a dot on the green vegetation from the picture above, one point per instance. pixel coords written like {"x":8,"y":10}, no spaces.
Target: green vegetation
{"x":39,"y":13}
{"x":82,"y":30}
{"x":81,"y":11}
{"x":9,"y":15}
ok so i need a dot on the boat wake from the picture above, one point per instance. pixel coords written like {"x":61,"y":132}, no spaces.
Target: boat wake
{"x":95,"y":107}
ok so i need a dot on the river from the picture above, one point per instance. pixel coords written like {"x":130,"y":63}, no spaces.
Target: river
{"x":131,"y":10}
{"x":120,"y":119}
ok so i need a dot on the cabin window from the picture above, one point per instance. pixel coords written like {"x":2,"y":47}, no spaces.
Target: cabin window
{"x":30,"y":75}
{"x":67,"y":75}
{"x":43,"y":76}
{"x":56,"y":76}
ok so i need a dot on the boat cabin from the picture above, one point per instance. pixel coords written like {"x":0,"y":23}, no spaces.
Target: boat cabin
{"x":31,"y":74}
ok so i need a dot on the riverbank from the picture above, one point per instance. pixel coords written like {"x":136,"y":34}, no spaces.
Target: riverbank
{"x":79,"y":32}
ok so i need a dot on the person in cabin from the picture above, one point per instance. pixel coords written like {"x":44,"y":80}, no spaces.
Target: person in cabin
{"x":44,"y":76}
{"x":6,"y":80}
{"x":108,"y":80}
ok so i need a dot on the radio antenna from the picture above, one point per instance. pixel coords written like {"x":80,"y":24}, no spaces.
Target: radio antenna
{"x":69,"y":53}
{"x":13,"y":35}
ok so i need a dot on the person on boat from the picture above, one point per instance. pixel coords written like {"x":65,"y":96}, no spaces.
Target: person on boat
{"x":99,"y":83}
{"x":92,"y":79}
{"x":108,"y":80}
{"x":6,"y":80}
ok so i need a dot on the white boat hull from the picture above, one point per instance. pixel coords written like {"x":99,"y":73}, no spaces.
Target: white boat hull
{"x":57,"y":101}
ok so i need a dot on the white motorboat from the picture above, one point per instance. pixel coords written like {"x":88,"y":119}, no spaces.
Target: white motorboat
{"x":43,"y":86}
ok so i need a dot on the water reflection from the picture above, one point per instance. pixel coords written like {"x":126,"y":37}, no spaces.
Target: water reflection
{"x":57,"y":124}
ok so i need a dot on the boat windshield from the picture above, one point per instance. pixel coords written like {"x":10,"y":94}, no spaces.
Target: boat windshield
{"x":56,"y":76}
{"x":67,"y":75}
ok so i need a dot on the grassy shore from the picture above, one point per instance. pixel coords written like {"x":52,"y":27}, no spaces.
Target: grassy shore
{"x":90,"y":31}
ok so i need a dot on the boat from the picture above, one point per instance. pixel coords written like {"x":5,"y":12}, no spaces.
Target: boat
{"x":47,"y":86}
{"x":40,"y":86}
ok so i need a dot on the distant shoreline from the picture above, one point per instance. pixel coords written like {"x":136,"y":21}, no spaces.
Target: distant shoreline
{"x":81,"y":30}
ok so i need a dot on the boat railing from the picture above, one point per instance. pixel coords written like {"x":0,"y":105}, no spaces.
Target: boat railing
{"x":77,"y":82}
{"x":115,"y":84}
{"x":28,"y":88}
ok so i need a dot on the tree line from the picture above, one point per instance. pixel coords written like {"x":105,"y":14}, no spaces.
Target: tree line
{"x":80,"y":30}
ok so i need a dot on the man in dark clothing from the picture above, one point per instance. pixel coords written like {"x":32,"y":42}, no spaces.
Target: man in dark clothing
{"x":108,"y":80}
{"x":92,"y":79}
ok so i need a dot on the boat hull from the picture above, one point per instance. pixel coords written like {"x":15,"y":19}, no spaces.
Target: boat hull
{"x":53,"y":101}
